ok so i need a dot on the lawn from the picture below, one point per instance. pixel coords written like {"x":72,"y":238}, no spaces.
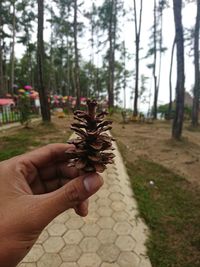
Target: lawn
{"x":169,"y":203}
{"x":21,"y":140}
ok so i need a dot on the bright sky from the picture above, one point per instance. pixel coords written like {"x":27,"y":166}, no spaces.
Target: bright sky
{"x":189,"y":14}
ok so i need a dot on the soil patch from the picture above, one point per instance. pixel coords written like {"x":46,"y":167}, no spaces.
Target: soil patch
{"x":153,"y":142}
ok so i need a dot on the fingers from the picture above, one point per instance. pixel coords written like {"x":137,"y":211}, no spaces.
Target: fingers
{"x":53,"y":177}
{"x":69,"y":196}
{"x":47,"y":154}
{"x":58,"y":170}
{"x":82,"y":208}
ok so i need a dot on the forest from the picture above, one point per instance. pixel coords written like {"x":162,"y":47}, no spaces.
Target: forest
{"x":59,"y":66}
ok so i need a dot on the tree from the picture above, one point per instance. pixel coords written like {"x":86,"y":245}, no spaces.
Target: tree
{"x":4,"y":23}
{"x":25,"y":22}
{"x":108,"y":17}
{"x":156,"y":46}
{"x":76,"y":70}
{"x":180,"y":85}
{"x":138,"y":25}
{"x":46,"y":117}
{"x":112,"y":43}
{"x":12,"y":55}
{"x":170,"y":80}
{"x":195,"y":109}
{"x":1,"y":54}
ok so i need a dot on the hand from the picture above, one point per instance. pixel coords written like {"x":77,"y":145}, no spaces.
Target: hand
{"x":34,"y":189}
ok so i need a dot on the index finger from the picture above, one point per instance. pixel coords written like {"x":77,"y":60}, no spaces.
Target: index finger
{"x":48,"y":154}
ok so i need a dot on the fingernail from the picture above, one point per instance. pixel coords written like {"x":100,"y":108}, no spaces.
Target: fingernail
{"x":92,"y":182}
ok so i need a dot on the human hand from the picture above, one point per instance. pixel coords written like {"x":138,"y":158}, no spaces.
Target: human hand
{"x":34,"y":189}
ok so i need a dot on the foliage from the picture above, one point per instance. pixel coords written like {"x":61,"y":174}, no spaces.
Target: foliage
{"x":25,"y":110}
{"x":164,"y":109}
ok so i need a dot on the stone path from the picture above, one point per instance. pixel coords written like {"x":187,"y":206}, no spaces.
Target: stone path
{"x":111,"y":235}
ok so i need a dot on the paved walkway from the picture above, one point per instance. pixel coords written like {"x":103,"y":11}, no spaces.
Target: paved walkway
{"x":111,"y":235}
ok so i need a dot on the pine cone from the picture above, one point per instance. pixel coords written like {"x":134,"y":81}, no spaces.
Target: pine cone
{"x":91,"y":153}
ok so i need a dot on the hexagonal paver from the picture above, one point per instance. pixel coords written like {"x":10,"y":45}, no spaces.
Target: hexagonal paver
{"x":69,"y":264}
{"x":127,"y":259}
{"x":120,"y":216}
{"x":89,"y":260}
{"x":104,"y":211}
{"x":43,"y":237}
{"x":116,"y":196}
{"x":107,"y":236}
{"x":89,"y":244}
{"x":111,"y":179}
{"x":92,"y":217}
{"x":70,"y":253}
{"x":94,"y":197}
{"x":118,"y":206}
{"x":108,"y":252}
{"x":144,"y":263}
{"x":90,"y":229}
{"x":125,"y":243}
{"x":103,"y":193}
{"x":103,"y":202}
{"x":35,"y":254}
{"x":106,"y":222}
{"x":106,"y":264}
{"x":73,"y":237}
{"x":92,"y":206}
{"x":74,"y":223}
{"x":115,"y":188}
{"x":122,"y":228}
{"x":53,"y":244}
{"x":27,"y":265}
{"x":50,"y":260}
{"x":57,"y":229}
{"x":62,"y":218}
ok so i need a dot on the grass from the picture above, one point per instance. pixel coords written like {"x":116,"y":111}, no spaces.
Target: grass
{"x":26,"y":139}
{"x":171,"y":209}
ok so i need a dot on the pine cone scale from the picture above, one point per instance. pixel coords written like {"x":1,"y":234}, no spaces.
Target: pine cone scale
{"x":89,"y":154}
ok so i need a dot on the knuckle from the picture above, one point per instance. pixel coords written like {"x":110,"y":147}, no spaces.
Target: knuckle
{"x":72,"y":193}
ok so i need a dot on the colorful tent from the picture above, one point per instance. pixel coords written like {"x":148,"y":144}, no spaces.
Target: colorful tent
{"x":28,"y":87}
{"x":6,"y":102}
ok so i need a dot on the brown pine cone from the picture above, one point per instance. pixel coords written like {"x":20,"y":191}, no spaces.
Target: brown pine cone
{"x":93,"y":144}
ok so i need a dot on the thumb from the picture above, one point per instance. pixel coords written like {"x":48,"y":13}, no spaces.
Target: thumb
{"x":68,"y":196}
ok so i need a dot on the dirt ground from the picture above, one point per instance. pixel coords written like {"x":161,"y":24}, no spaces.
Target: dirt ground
{"x":153,"y":142}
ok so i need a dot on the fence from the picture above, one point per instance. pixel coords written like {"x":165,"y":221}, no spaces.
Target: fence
{"x":9,"y":115}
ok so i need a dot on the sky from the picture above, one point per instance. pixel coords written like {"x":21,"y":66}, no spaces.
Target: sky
{"x":127,"y":34}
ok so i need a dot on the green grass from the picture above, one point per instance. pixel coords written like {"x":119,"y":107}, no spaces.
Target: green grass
{"x":20,"y":142}
{"x":171,"y":209}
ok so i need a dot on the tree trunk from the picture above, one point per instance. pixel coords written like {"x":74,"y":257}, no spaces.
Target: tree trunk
{"x":180,"y":86}
{"x":170,"y":80}
{"x":160,"y":49}
{"x":154,"y":64}
{"x":2,"y":89}
{"x":124,"y":67}
{"x":111,"y":67}
{"x":12,"y":56}
{"x":195,"y":108}
{"x":76,"y":71}
{"x":137,"y":54}
{"x":45,"y":110}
